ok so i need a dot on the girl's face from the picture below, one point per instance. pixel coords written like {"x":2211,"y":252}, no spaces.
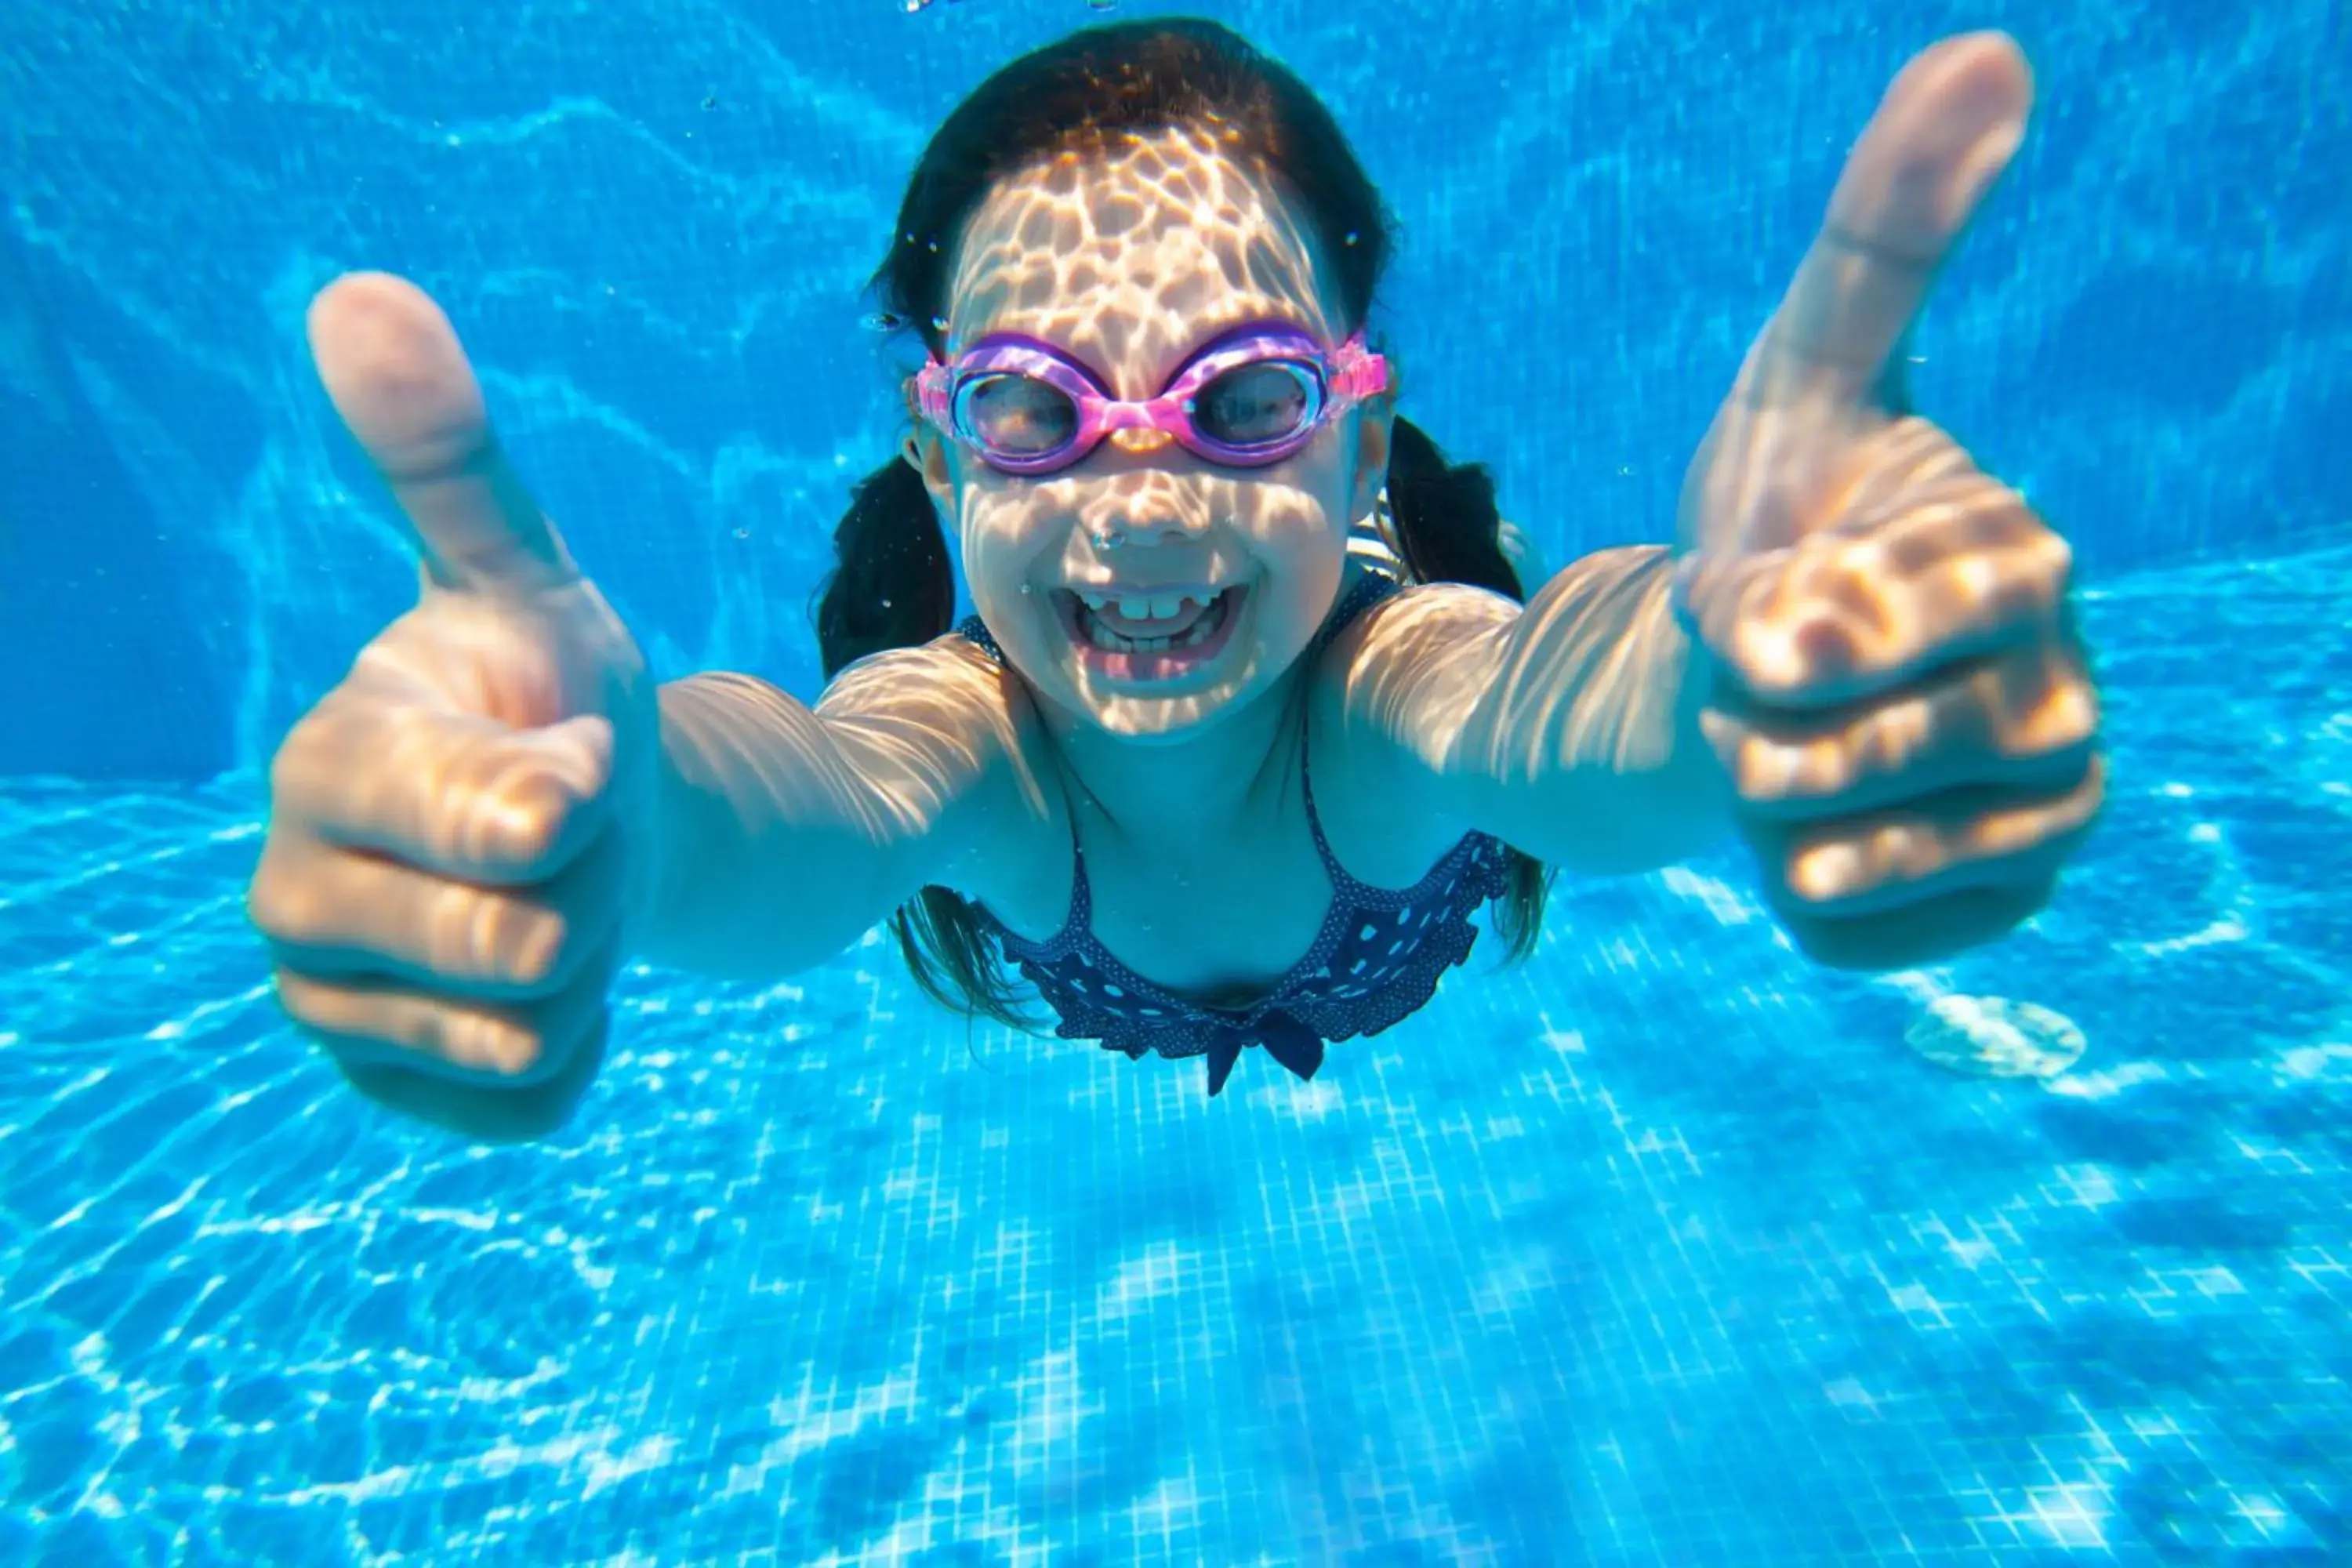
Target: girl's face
{"x":1130,"y":263}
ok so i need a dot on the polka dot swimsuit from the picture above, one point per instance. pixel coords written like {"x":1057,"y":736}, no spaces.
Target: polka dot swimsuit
{"x":1377,"y":960}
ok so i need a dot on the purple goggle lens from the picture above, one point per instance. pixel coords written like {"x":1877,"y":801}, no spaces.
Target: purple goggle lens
{"x":1253,"y":397}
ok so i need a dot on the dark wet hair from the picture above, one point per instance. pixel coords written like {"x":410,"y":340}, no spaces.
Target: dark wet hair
{"x":893,"y":585}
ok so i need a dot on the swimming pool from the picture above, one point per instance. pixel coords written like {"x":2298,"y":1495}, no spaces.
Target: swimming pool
{"x":1664,"y":1249}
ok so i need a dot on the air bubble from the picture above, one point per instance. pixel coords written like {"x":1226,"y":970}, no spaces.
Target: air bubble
{"x":938,"y":324}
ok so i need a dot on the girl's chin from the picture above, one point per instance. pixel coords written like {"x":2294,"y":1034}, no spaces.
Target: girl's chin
{"x":1146,"y":718}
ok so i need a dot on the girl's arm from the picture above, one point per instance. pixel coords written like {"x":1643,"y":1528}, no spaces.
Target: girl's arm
{"x":787,"y":832}
{"x":1567,"y":727}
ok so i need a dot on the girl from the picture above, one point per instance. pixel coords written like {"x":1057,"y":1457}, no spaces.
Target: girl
{"x":1249,"y":720}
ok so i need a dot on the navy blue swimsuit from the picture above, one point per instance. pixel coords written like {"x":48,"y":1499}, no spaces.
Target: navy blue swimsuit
{"x":1378,"y":958}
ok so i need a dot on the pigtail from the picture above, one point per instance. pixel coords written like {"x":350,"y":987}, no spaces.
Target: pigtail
{"x":1448,"y":530}
{"x":1446,"y":521}
{"x":892,"y":584}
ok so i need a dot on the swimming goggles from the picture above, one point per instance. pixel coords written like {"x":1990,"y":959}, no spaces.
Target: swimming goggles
{"x":1249,"y":398}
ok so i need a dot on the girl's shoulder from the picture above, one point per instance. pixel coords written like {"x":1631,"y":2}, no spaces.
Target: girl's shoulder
{"x":959,"y":740}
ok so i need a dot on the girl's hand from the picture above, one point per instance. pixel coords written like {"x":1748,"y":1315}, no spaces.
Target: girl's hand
{"x":456,"y":830}
{"x":1897,"y":691}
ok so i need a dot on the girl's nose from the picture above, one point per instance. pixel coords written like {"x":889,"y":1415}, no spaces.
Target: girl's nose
{"x":1140,"y":441}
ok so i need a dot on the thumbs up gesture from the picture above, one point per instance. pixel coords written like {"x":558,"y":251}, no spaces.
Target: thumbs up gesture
{"x":1897,"y":693}
{"x":456,"y":830}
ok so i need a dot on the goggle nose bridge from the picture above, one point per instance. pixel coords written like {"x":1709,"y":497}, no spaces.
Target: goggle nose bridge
{"x":1138,"y":436}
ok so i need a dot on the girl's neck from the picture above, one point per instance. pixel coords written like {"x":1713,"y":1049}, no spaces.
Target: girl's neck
{"x":1189,"y":791}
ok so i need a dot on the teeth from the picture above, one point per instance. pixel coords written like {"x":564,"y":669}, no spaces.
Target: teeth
{"x":1200,"y":631}
{"x":1143,"y":607}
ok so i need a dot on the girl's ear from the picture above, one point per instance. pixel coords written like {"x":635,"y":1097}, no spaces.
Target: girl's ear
{"x":926,"y":452}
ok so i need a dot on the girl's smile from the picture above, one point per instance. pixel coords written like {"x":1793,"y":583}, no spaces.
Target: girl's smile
{"x":1135,"y":636}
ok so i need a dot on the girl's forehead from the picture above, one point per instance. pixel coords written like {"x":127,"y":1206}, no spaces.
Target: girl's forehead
{"x":1131,"y":257}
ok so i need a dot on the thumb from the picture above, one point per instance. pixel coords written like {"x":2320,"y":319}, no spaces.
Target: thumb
{"x":399,"y":379}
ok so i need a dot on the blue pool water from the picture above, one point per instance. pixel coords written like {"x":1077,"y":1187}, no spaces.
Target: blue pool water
{"x":1664,"y":1249}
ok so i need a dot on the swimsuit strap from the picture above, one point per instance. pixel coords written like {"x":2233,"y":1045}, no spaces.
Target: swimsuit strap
{"x":975,"y":632}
